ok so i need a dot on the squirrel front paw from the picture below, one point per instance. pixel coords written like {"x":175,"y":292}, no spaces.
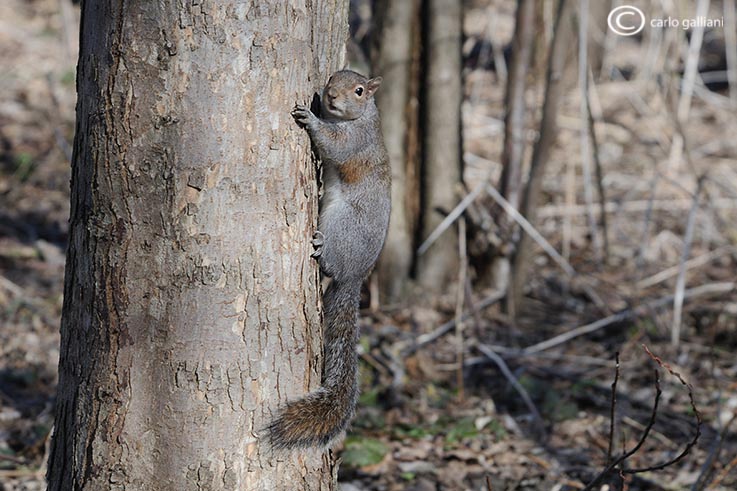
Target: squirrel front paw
{"x":318,"y":239}
{"x":303,"y":115}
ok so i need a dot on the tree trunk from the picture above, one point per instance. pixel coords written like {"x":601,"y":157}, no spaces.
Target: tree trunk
{"x":523,"y":259}
{"x":438,"y":267}
{"x":393,"y":55}
{"x":191,"y":301}
{"x":516,"y":110}
{"x":598,"y":13}
{"x":493,"y":263}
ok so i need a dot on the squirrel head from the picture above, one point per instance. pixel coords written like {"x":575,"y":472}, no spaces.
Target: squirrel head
{"x":347,"y":95}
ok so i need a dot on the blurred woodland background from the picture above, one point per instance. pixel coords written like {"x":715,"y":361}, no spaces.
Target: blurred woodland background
{"x":563,"y":196}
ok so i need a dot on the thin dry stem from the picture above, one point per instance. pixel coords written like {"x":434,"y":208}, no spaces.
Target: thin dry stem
{"x":591,"y":94}
{"x":613,"y":407}
{"x":534,"y":234}
{"x":692,"y":263}
{"x":588,"y":188}
{"x":697,"y":415}
{"x":452,"y":217}
{"x":681,"y":281}
{"x":730,"y":43}
{"x":460,"y":302}
{"x":688,"y":84}
{"x":629,"y":453}
{"x":635,"y":206}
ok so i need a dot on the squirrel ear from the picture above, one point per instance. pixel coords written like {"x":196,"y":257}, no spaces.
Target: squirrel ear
{"x":373,"y":85}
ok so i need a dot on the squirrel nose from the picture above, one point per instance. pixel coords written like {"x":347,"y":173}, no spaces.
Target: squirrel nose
{"x":332,"y":94}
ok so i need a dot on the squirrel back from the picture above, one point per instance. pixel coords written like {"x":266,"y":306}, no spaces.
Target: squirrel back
{"x":354,"y":218}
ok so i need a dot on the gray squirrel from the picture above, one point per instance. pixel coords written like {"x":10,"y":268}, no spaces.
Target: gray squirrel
{"x":352,"y":227}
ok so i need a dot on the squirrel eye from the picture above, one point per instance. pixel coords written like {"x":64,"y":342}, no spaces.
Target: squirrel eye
{"x":359,"y":91}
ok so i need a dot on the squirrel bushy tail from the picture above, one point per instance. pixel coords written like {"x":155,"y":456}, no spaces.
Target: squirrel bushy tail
{"x":322,"y":415}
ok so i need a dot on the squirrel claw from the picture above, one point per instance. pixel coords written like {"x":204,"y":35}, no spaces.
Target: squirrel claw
{"x":318,"y":239}
{"x":302,"y":114}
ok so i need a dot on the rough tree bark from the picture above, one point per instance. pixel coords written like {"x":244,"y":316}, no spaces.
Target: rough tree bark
{"x":190,"y":303}
{"x":438,"y":267}
{"x":392,"y":55}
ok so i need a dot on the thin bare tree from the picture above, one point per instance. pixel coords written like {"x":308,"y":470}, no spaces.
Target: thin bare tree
{"x":393,"y":53}
{"x":438,"y":267}
{"x":562,"y":38}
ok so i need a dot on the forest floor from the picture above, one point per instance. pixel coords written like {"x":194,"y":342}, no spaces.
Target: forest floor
{"x":520,"y":409}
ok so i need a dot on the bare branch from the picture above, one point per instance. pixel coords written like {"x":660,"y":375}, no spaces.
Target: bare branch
{"x":583,"y":64}
{"x":708,"y":289}
{"x":613,"y":408}
{"x":681,"y":282}
{"x":534,"y":234}
{"x":491,"y":355}
{"x":427,"y":338}
{"x":590,"y":90}
{"x":697,"y":414}
{"x":691,"y":263}
{"x":629,"y":453}
{"x":452,"y":217}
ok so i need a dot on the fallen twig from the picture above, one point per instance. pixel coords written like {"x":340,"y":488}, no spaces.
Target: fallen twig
{"x":727,"y":469}
{"x":11,"y":473}
{"x":452,"y":217}
{"x":11,"y":287}
{"x":491,"y":355}
{"x":13,"y":459}
{"x":703,"y":480}
{"x":407,"y":348}
{"x":690,"y":264}
{"x":512,"y":353}
{"x":634,"y":206}
{"x":708,"y":289}
{"x":534,"y":234}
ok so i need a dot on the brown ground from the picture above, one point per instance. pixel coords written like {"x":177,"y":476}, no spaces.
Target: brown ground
{"x":420,"y":426}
